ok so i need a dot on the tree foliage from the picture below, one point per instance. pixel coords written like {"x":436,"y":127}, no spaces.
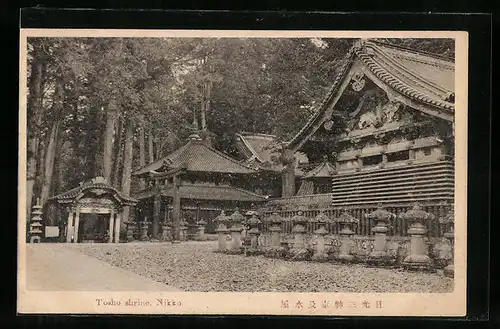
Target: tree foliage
{"x":172,"y":85}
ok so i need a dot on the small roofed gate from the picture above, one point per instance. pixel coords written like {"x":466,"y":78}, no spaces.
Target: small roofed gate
{"x":93,"y":203}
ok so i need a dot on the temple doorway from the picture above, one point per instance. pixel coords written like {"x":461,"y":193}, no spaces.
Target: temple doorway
{"x":94,"y":228}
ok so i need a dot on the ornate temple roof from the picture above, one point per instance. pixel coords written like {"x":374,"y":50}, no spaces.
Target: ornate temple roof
{"x":207,"y":192}
{"x":99,"y":185}
{"x":257,"y":148}
{"x":426,"y":82}
{"x":324,"y":170}
{"x":198,"y":156}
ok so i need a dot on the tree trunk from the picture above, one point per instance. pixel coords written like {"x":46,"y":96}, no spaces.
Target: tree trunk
{"x":127,"y":167}
{"x":202,"y":109}
{"x":208,"y":92}
{"x":118,"y":154}
{"x":108,"y":142}
{"x":150,"y":147}
{"x":50,"y":154}
{"x":142,"y":151}
{"x":158,"y":145}
{"x":50,"y":151}
{"x":34,"y":117}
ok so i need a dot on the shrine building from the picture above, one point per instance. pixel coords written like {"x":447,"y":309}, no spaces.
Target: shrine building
{"x":386,"y":128}
{"x":194,"y":183}
{"x":94,"y":212}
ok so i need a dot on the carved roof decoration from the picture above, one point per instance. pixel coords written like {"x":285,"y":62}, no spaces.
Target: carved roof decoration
{"x":196,"y":156}
{"x":259,"y":151}
{"x":98,"y":186}
{"x":426,"y":81}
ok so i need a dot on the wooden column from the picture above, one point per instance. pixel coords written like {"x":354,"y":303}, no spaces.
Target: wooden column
{"x":77,"y":224}
{"x":117,"y":228}
{"x":288,"y":173}
{"x":176,"y":211}
{"x":156,"y":210}
{"x":111,"y":220}
{"x":69,"y":230}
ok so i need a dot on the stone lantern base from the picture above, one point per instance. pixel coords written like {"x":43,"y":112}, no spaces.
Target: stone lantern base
{"x":380,"y":259}
{"x":323,"y":257}
{"x":417,"y":263}
{"x":275,"y":252}
{"x":449,"y":271}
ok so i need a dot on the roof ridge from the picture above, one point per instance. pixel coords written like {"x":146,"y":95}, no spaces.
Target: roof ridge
{"x":418,"y":52}
{"x":249,"y":147}
{"x":399,"y":85}
{"x":414,"y":75}
{"x":225,"y":155}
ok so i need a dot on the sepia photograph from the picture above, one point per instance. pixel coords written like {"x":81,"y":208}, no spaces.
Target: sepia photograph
{"x":317,"y":172}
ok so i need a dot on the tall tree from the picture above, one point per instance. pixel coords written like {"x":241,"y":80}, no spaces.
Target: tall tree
{"x":127,"y":164}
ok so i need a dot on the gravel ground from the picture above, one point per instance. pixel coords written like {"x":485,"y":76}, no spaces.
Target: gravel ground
{"x":193,"y":266}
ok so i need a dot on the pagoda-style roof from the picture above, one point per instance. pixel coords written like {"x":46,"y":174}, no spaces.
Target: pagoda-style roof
{"x":422,"y":81}
{"x":197,"y":156}
{"x":206,"y":192}
{"x":324,"y":170}
{"x":98,"y":186}
{"x":258,"y":151}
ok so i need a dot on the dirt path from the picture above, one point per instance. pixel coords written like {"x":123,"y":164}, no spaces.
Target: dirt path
{"x":56,"y":267}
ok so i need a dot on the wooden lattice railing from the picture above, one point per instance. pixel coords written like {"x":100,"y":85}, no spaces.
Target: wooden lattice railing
{"x":397,"y":227}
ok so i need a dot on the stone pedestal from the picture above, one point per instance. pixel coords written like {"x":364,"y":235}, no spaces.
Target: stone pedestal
{"x":222,"y":231}
{"x":449,"y":220}
{"x":36,"y":227}
{"x":166,"y":231}
{"x":236,"y":219}
{"x":299,"y":249}
{"x":254,"y":233}
{"x":200,"y":230}
{"x":131,"y":225}
{"x":449,"y":270}
{"x":183,"y":231}
{"x":418,"y":258}
{"x":320,"y":254}
{"x":275,"y":250}
{"x":379,"y":256}
{"x":346,"y":232}
{"x":144,"y":230}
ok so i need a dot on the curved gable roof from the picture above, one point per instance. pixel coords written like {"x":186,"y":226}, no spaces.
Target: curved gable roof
{"x":96,"y":183}
{"x":198,"y":156}
{"x":420,"y":77}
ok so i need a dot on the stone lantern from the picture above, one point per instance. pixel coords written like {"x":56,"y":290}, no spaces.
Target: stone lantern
{"x":320,"y":254}
{"x":449,"y":220}
{"x":275,"y":250}
{"x":236,"y":219}
{"x":379,"y":255}
{"x":166,"y":229}
{"x":299,"y":250}
{"x":36,"y":232}
{"x":347,"y":222}
{"x":130,"y":228}
{"x":254,"y":233}
{"x":144,"y":229}
{"x":183,"y":230}
{"x":200,"y":230}
{"x":222,"y":230}
{"x":418,"y":258}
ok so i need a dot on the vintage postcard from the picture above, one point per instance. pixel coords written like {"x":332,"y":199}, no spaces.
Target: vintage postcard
{"x":243,"y":172}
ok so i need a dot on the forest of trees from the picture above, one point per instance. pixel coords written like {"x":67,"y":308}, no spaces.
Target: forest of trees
{"x":106,"y":106}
